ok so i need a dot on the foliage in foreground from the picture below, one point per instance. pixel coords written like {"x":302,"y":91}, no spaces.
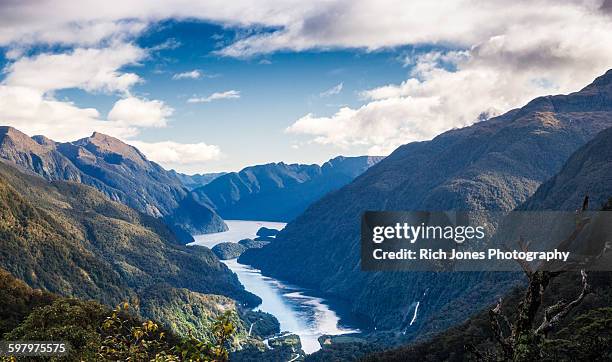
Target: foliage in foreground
{"x":97,"y":334}
{"x":148,"y":342}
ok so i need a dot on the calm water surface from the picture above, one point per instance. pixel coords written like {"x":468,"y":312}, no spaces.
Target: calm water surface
{"x":298,"y":312}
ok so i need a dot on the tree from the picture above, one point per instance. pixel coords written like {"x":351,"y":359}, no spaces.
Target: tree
{"x":192,"y":349}
{"x":126,"y":341}
{"x":522,"y":340}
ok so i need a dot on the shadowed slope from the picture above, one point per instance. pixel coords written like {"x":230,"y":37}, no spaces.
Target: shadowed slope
{"x":492,"y":165}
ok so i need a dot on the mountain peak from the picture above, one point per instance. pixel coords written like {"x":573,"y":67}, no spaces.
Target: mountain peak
{"x":101,"y":136}
{"x":101,"y":143}
{"x":98,"y":137}
{"x":366,"y":160}
{"x":10,"y":131}
{"x":18,"y":140}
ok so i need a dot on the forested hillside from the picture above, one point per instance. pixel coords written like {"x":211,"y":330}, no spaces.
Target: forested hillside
{"x":69,"y":239}
{"x":493,"y":165}
{"x":279,"y":191}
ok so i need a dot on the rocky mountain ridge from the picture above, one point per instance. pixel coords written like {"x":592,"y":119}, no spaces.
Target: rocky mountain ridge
{"x":116,"y":169}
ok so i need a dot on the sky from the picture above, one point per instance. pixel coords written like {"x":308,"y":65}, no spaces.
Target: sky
{"x":208,"y":86}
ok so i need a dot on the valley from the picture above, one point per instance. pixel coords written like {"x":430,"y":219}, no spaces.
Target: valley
{"x":494,"y":165}
{"x":297,"y":310}
{"x":306,"y":181}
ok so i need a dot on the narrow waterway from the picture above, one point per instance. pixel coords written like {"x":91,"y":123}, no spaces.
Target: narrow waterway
{"x":297,"y":311}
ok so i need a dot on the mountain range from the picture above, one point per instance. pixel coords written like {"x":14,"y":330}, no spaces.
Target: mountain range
{"x":116,"y":169}
{"x":587,"y":172}
{"x":279,"y":191}
{"x":492,"y":165}
{"x":198,"y":179}
{"x":68,"y":238}
{"x":95,"y":219}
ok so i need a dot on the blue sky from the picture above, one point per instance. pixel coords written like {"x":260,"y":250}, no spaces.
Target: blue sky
{"x":275,"y":90}
{"x":203,"y":86}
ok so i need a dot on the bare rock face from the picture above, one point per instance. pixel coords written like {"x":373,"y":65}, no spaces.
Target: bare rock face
{"x":38,"y":155}
{"x":495,"y":164}
{"x":118,"y":170}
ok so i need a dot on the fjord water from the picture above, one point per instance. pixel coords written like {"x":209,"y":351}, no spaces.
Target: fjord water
{"x":298,"y":312}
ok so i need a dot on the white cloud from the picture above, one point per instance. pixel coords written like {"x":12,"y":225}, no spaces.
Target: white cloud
{"x":141,"y":113}
{"x":434,"y":99}
{"x":28,"y":102}
{"x":24,"y":24}
{"x":74,"y":23}
{"x":298,"y":25}
{"x":381,"y":125}
{"x":186,"y":157}
{"x":374,"y":25}
{"x":230,"y":94}
{"x":91,"y":69}
{"x":168,"y":44}
{"x":509,"y":53}
{"x":98,"y":47}
{"x":448,"y":89}
{"x":31,"y":112}
{"x":332,"y":91}
{"x":194,"y":74}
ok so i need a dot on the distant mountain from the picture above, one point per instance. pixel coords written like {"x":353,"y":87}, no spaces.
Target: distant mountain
{"x":69,"y":239}
{"x":587,"y":172}
{"x":493,"y":165}
{"x":118,"y":170}
{"x":198,"y":180}
{"x":279,"y":191}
